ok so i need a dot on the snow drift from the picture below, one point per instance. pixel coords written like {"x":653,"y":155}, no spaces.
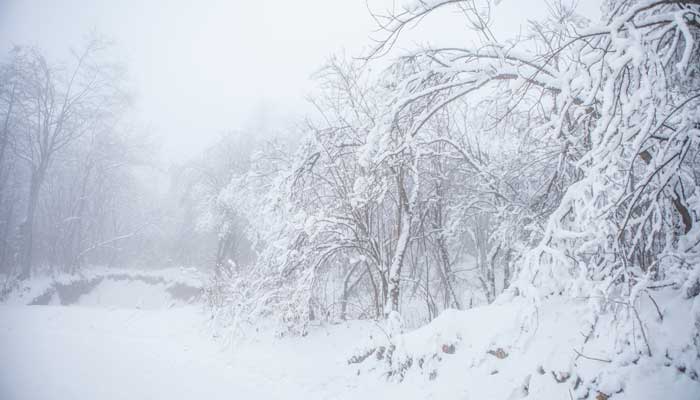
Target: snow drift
{"x":110,"y":288}
{"x":547,"y":350}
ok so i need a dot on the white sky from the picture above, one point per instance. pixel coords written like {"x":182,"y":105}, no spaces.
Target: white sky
{"x":203,"y":67}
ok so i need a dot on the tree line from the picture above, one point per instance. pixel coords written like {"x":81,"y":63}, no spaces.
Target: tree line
{"x":69,"y":195}
{"x":563,"y":161}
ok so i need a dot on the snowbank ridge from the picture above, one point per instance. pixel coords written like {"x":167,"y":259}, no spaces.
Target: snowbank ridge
{"x":110,"y":288}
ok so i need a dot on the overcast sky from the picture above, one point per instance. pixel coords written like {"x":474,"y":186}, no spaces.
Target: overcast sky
{"x":203,"y":67}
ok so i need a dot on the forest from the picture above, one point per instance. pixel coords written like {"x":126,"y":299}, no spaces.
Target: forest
{"x":526,"y":205}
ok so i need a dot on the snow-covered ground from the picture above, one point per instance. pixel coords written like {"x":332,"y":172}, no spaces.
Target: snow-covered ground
{"x":104,"y":346}
{"x":107,"y":345}
{"x":76,"y":352}
{"x":109,"y":287}
{"x":515,"y":349}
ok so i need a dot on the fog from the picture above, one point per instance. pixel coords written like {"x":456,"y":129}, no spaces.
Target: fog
{"x":350,"y":199}
{"x":200,"y":68}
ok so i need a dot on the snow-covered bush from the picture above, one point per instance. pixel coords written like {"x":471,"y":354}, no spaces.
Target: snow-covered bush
{"x":605,"y":122}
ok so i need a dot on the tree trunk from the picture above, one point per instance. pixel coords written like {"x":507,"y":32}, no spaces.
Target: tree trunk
{"x":27,"y":229}
{"x":446,"y":272}
{"x":5,"y":242}
{"x":404,"y":234}
{"x":223,"y":251}
{"x":5,"y":134}
{"x":375,"y":293}
{"x":506,"y":270}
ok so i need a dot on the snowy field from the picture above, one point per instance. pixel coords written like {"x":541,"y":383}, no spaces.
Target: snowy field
{"x":54,"y":352}
{"x":112,"y":344}
{"x":103,"y":347}
{"x":90,"y":353}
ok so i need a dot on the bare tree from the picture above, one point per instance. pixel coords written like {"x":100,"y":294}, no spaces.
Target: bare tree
{"x":57,"y":106}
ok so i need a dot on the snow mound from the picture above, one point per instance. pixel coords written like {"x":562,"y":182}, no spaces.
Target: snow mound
{"x":549,"y":350}
{"x":112,"y":288}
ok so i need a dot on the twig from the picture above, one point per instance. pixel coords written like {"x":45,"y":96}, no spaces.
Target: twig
{"x":591,"y":358}
{"x":641,"y":327}
{"x":661,"y":316}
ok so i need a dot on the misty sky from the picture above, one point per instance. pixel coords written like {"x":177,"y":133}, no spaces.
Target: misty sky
{"x":202,"y":67}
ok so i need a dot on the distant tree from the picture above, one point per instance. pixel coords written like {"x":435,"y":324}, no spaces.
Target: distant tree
{"x":55,"y":106}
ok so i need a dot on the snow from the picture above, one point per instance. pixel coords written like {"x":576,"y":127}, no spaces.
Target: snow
{"x":98,"y":349}
{"x":124,"y":294}
{"x":515,"y":348}
{"x":92,"y":353}
{"x":115,"y":287}
{"x":581,"y":206}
